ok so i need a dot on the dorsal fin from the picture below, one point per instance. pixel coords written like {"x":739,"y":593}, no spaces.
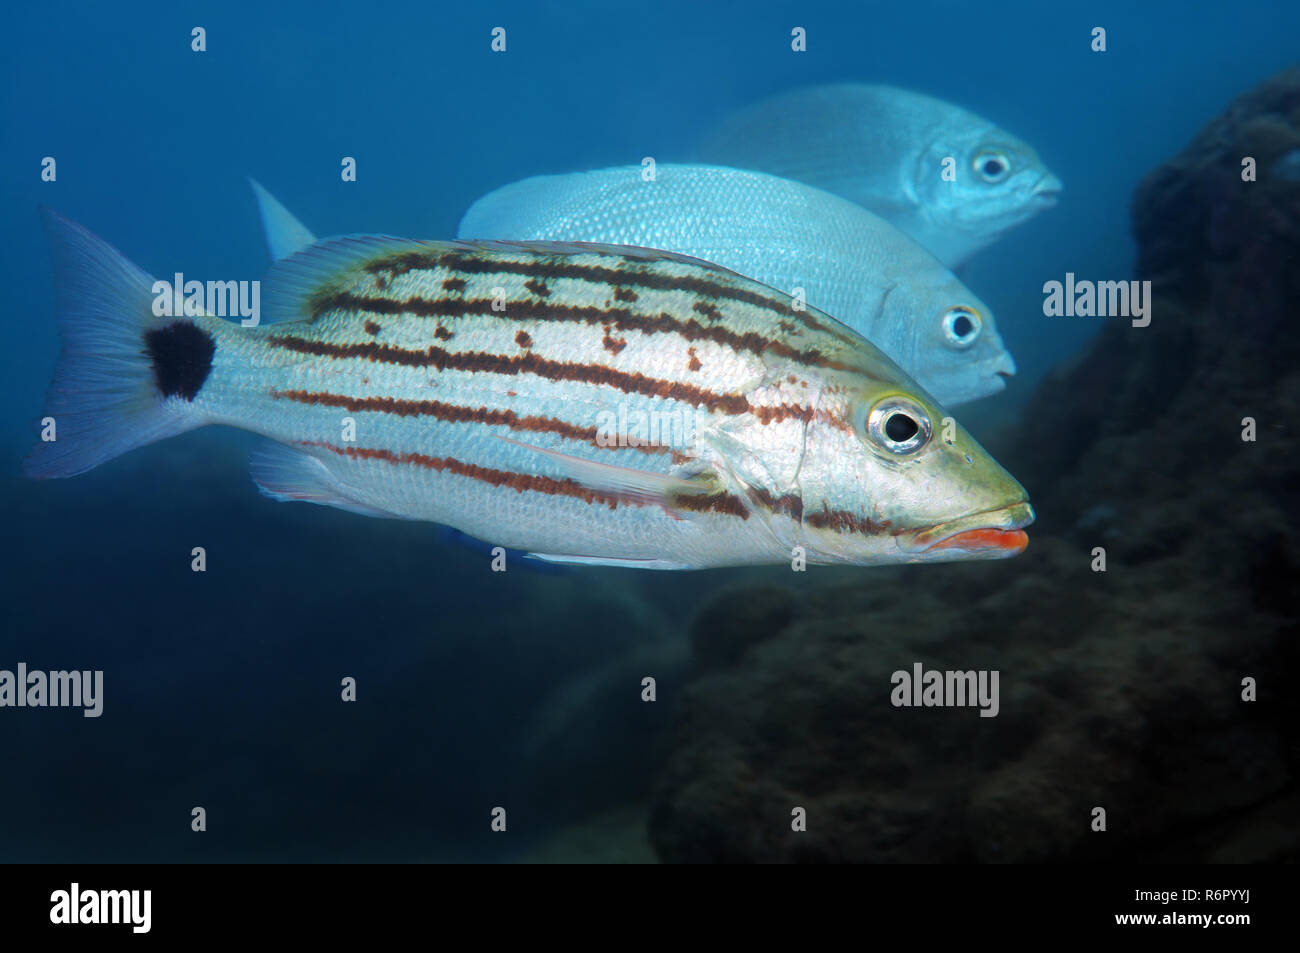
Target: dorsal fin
{"x":284,"y":233}
{"x":333,"y":264}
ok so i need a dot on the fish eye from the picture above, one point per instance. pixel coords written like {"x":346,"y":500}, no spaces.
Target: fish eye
{"x":992,"y":166}
{"x":962,"y":326}
{"x":898,"y":425}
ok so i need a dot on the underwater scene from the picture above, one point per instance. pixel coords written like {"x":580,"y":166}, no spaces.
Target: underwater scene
{"x":732,"y":433}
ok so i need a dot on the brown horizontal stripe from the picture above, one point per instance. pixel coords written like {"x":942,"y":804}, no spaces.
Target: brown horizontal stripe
{"x":521,"y":482}
{"x":843,"y":521}
{"x":788,"y":504}
{"x":545,"y":266}
{"x":622,"y":319}
{"x":529,"y":362}
{"x":791,"y":504}
{"x":457,"y":414}
{"x":724,"y":503}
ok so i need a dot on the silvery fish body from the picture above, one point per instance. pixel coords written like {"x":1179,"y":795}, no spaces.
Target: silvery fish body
{"x":850,"y":263}
{"x":590,"y":404}
{"x":887,"y":149}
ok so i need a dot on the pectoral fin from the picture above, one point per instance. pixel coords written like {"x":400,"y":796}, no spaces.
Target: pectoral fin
{"x":640,"y":486}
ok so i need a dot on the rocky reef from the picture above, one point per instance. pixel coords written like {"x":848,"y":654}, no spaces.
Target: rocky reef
{"x":1120,"y":690}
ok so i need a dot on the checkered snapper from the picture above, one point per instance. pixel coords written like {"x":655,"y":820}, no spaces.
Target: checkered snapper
{"x":490,"y":387}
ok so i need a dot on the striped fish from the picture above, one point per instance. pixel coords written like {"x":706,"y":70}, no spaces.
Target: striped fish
{"x":850,"y":263}
{"x":847,"y":261}
{"x":584,"y":403}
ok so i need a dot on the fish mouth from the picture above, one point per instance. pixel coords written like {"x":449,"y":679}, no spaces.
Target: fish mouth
{"x":998,"y":381}
{"x":1047,"y":189}
{"x":994,"y":533}
{"x":998,"y":373}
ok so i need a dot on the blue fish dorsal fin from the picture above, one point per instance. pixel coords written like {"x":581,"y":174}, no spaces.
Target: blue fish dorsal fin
{"x":284,"y":233}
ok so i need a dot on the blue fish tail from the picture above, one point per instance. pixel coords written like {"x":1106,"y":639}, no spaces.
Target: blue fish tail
{"x":124,"y":378}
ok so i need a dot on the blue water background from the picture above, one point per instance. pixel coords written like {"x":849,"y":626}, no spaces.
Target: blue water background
{"x":222,"y":688}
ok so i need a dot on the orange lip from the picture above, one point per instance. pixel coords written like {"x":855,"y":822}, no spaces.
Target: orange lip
{"x":996,"y":533}
{"x":1005,"y":541}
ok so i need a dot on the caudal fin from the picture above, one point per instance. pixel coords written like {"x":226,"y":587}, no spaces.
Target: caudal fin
{"x":124,"y":378}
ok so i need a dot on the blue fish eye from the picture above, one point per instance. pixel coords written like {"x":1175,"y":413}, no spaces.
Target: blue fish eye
{"x":992,"y":166}
{"x":962,"y":326}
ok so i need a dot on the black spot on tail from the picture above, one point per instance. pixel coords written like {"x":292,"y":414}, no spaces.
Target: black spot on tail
{"x":182,"y":358}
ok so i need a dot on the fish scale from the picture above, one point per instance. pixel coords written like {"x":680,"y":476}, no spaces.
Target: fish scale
{"x":848,"y":262}
{"x":916,"y":160}
{"x":482,"y":419}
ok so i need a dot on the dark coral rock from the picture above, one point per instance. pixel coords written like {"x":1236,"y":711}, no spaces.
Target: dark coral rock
{"x":1121,"y":689}
{"x":725,"y":630}
{"x":1232,"y":242}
